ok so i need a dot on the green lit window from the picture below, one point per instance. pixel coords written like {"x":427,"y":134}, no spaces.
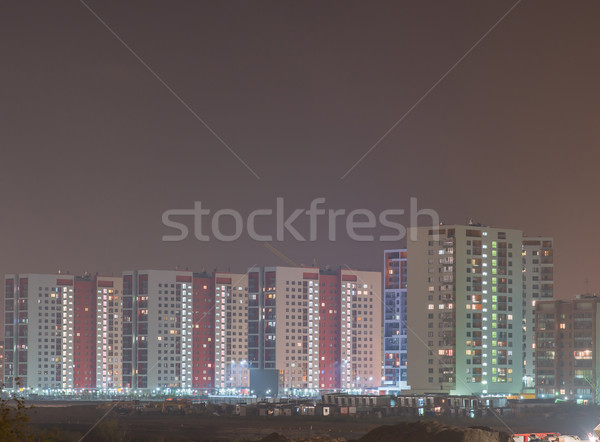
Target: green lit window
{"x":494,"y":271}
{"x":494,"y":307}
{"x":494,"y":280}
{"x":494,"y":344}
{"x":494,"y":298}
{"x":494,"y":325}
{"x":494,"y":253}
{"x":494,"y":379}
{"x":494,"y":351}
{"x":494,"y":289}
{"x":494,"y":244}
{"x":494,"y":262}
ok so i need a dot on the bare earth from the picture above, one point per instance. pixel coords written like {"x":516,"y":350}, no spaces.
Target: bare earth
{"x":73,"y":421}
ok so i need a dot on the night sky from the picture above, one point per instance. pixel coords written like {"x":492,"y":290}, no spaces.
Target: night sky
{"x":94,"y":148}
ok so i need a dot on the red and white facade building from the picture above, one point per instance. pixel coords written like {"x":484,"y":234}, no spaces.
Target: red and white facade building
{"x":168,"y":330}
{"x":314,"y":330}
{"x":330,"y":326}
{"x":203,"y":332}
{"x":171,"y":330}
{"x":51,"y":336}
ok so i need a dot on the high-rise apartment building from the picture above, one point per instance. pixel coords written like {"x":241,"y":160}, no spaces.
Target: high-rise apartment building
{"x":108,"y":345}
{"x":51,"y":337}
{"x":283,"y":323}
{"x":361,"y":319}
{"x":314,"y":330}
{"x":567,"y":349}
{"x":299,"y":328}
{"x":231,"y":331}
{"x":464,"y":309}
{"x":330,"y":330}
{"x":394,"y":320}
{"x":203,"y":331}
{"x":168,"y":330}
{"x":83,"y":313}
{"x":538,"y":285}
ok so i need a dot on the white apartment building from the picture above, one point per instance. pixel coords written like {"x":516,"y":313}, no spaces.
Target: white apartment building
{"x":109,"y":344}
{"x":39,"y":331}
{"x":464,"y":290}
{"x":157,"y":329}
{"x":361,"y":329}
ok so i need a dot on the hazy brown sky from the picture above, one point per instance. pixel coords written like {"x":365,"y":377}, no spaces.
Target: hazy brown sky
{"x":94,"y":148}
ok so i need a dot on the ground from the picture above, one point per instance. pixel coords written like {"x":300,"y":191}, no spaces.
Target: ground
{"x":73,"y":421}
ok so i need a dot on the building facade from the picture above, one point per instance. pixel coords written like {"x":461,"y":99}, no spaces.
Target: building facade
{"x":58,"y":335}
{"x":285,"y":327}
{"x":394,"y":319}
{"x":464,"y":308}
{"x":107,"y":341}
{"x":330,"y":330}
{"x":38,"y":336}
{"x":538,"y":285}
{"x":203,"y":331}
{"x":314,"y":330}
{"x":168,"y":330}
{"x":567,"y":349}
{"x":361,"y":319}
{"x":300,"y":329}
{"x":231,"y":331}
{"x":2,"y":361}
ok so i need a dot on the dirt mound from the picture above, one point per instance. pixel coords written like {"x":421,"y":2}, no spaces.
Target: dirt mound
{"x":422,"y":431}
{"x":275,"y":437}
{"x":322,"y":439}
